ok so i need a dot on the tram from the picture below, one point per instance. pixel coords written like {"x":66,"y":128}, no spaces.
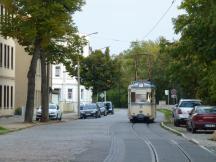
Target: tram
{"x":141,"y":101}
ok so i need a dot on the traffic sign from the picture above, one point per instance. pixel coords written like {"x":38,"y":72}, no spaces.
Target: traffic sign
{"x":102,"y":95}
{"x":173,"y":92}
{"x":166,"y":92}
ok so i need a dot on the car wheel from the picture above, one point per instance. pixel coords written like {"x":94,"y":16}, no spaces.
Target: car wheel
{"x":193,"y":129}
{"x":188,"y":128}
{"x":56,"y":117}
{"x":132,"y":120}
{"x":37,"y":119}
{"x":60,"y":118}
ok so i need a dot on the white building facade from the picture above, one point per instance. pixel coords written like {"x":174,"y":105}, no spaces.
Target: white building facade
{"x":7,"y":74}
{"x":67,"y":87}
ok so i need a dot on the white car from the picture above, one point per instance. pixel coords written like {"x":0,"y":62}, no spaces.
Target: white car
{"x":182,"y":110}
{"x":54,"y":112}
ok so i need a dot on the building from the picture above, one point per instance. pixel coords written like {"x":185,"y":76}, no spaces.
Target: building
{"x":67,"y":87}
{"x":7,"y":74}
{"x":23,"y":61}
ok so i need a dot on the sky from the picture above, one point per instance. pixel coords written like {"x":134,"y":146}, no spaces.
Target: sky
{"x":119,"y":22}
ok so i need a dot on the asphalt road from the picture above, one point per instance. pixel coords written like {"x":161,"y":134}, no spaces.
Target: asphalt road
{"x":108,"y":139}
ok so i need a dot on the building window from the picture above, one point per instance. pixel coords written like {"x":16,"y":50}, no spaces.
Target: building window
{"x":0,"y":96}
{"x":82,"y":94}
{"x":1,"y":54}
{"x":4,"y":96}
{"x":58,"y":91}
{"x":8,"y":57}
{"x":57,"y":71}
{"x":70,"y":93}
{"x":5,"y":55}
{"x":12,"y":54}
{"x":8,"y":97}
{"x":11,"y":97}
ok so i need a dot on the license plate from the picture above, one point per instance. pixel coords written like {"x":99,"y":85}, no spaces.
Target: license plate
{"x":210,"y":125}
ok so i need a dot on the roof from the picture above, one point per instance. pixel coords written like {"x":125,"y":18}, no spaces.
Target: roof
{"x":142,"y":84}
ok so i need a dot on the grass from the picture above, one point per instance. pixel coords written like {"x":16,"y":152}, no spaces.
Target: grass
{"x":167,"y":114}
{"x":169,"y":120}
{"x":3,"y":130}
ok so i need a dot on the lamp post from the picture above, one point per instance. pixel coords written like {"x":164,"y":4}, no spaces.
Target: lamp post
{"x":78,"y":79}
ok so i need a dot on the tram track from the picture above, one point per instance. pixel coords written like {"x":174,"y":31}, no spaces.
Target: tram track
{"x":179,"y":147}
{"x":187,"y":156}
{"x":151,"y":147}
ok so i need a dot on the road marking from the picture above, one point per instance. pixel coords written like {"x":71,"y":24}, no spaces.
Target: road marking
{"x":151,"y":147}
{"x":182,"y":150}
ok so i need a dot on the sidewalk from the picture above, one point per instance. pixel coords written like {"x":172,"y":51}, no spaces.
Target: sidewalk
{"x":201,"y":138}
{"x":16,"y":122}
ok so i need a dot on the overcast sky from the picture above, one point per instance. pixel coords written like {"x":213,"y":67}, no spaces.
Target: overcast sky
{"x":118,"y":22}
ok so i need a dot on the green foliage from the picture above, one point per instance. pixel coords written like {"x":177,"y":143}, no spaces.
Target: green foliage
{"x":46,"y":30}
{"x":18,"y":111}
{"x":97,"y":71}
{"x":3,"y":130}
{"x":44,"y":19}
{"x":196,"y":49}
{"x":168,"y":115}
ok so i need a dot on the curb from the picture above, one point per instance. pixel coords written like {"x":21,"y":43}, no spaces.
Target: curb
{"x":38,"y":124}
{"x":180,"y":134}
{"x":184,"y":136}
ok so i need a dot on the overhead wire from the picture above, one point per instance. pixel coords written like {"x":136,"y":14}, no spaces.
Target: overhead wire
{"x":146,"y":35}
{"x":161,"y":18}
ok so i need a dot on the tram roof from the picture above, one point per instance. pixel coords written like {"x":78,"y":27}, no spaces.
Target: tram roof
{"x":142,"y":84}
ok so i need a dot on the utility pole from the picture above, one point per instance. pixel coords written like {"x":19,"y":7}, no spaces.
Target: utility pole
{"x":78,"y":88}
{"x":148,"y":65}
{"x":78,"y":79}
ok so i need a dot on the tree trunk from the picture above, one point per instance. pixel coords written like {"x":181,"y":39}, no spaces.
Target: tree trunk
{"x":44,"y":91}
{"x":31,"y":82}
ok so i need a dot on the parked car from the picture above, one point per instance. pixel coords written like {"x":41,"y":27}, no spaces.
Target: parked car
{"x":87,"y":110}
{"x":109,"y":106}
{"x":182,"y":110}
{"x":103,"y":110}
{"x":54,"y":112}
{"x":202,"y":118}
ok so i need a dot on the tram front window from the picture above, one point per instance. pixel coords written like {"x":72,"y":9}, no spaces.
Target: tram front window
{"x":139,"y":98}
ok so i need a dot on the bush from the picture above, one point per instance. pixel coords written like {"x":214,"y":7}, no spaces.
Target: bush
{"x":18,"y":111}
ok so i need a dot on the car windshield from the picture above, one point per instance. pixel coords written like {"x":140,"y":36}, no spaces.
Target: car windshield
{"x":189,"y":104}
{"x":207,"y":110}
{"x":52,"y":107}
{"x":89,"y":107}
{"x":100,"y":104}
{"x":108,"y":105}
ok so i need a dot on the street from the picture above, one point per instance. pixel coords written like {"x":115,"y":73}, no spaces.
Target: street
{"x":108,"y":139}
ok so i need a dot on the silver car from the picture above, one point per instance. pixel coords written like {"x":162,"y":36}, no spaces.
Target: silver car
{"x":102,"y":107}
{"x":182,"y":110}
{"x":54,"y":112}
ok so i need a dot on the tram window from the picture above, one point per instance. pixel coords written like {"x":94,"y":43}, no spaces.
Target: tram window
{"x":140,"y":98}
{"x":133,"y":97}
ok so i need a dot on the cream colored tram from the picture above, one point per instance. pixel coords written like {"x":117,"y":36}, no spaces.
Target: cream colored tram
{"x":141,"y":101}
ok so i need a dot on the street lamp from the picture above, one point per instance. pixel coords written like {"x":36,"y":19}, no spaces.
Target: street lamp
{"x":78,"y":79}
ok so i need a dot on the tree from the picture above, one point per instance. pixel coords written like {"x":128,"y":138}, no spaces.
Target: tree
{"x":34,"y":24}
{"x":97,"y":71}
{"x":198,"y":41}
